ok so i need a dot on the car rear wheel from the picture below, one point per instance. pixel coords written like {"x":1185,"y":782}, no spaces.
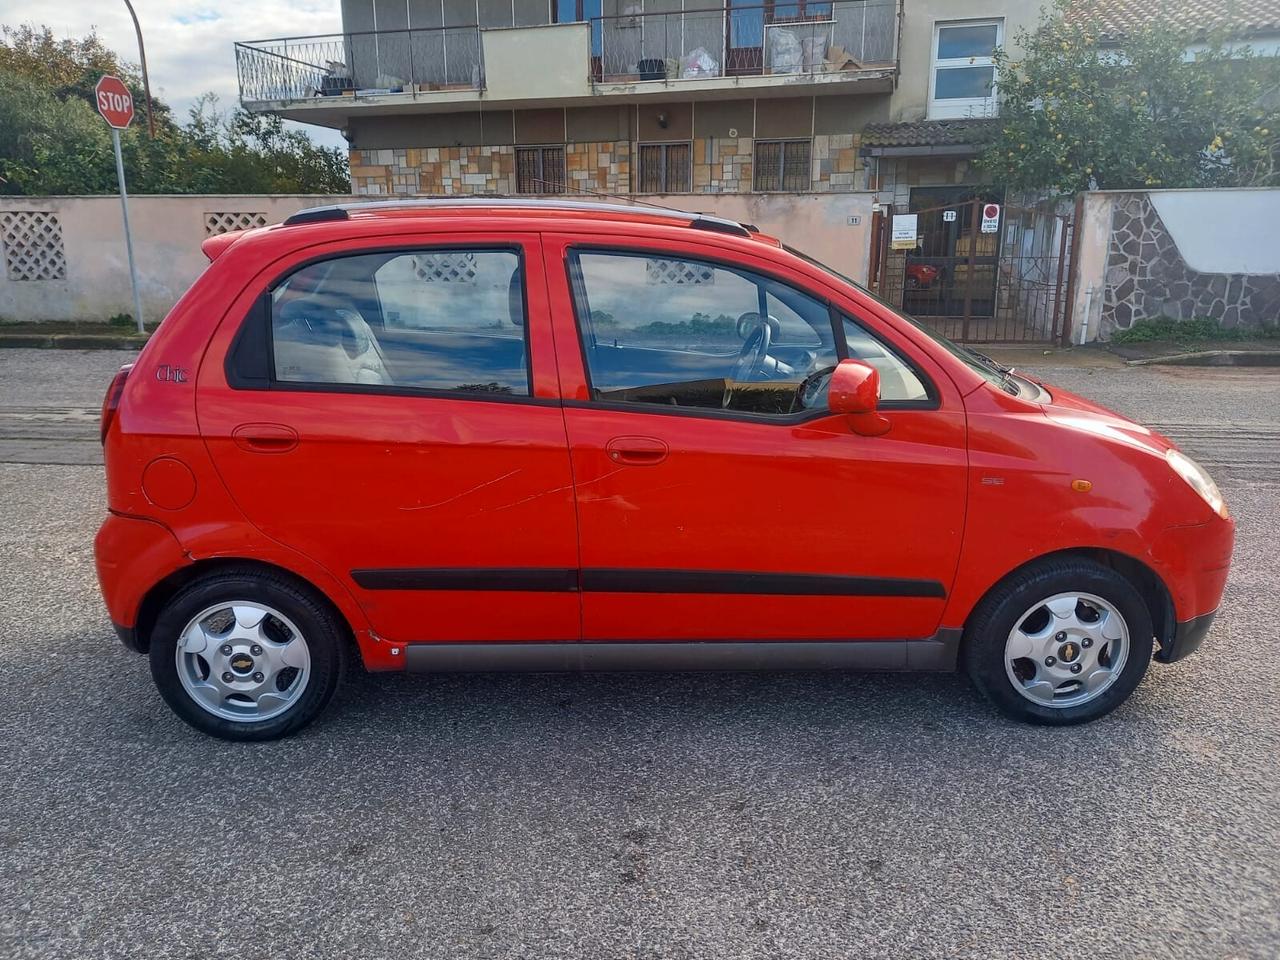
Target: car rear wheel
{"x":247,"y":655}
{"x":1061,"y":642}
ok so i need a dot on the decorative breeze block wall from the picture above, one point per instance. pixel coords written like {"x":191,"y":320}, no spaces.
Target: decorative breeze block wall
{"x":217,"y":222}
{"x":32,"y":245}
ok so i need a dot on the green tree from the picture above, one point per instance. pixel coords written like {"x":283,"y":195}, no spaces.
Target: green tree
{"x":52,"y":140}
{"x":1076,"y":115}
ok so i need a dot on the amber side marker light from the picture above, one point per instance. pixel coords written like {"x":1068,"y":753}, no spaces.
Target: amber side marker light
{"x":1081,"y":486}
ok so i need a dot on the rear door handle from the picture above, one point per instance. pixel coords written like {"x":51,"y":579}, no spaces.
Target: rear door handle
{"x":637,"y":451}
{"x":265,"y":437}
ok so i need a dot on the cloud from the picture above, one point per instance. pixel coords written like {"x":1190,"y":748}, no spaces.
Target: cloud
{"x":190,"y":46}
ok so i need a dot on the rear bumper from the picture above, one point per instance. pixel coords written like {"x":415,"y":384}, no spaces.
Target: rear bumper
{"x":1186,"y":639}
{"x":133,"y":555}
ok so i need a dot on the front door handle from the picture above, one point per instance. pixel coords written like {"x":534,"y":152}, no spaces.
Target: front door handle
{"x":637,"y":451}
{"x":265,"y":437}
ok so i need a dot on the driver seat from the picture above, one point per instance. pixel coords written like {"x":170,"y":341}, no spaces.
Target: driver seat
{"x":317,"y":343}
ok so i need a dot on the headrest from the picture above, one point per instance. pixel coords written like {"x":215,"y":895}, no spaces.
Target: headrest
{"x":515,"y":298}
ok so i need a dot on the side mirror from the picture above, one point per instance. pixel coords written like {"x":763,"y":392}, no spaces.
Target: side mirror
{"x":855,"y":392}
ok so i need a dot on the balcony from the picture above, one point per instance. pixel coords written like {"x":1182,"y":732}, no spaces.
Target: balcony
{"x":794,"y":42}
{"x":380,"y":62}
{"x":830,"y":46}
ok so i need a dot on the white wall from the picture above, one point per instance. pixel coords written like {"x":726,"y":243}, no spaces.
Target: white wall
{"x":168,"y":231}
{"x":1223,"y":231}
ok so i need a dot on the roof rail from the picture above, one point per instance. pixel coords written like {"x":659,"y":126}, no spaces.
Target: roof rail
{"x":343,"y":211}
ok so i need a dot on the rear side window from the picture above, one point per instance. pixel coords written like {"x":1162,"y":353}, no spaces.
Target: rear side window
{"x":427,"y":319}
{"x":681,"y":332}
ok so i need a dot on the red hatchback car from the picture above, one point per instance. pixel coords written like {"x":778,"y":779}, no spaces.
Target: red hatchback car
{"x":505,"y":435}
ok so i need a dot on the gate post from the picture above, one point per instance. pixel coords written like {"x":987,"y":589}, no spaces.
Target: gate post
{"x":975,"y":219}
{"x":1068,"y":314}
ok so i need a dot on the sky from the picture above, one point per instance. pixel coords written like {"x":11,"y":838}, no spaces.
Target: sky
{"x":189,"y":42}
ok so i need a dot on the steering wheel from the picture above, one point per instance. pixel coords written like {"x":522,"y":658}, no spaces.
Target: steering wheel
{"x":755,"y":347}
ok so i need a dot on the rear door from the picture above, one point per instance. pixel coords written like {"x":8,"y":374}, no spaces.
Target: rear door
{"x":717,"y":498}
{"x":393,"y":414}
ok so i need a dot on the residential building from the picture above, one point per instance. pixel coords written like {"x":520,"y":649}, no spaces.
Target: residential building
{"x":639,"y":96}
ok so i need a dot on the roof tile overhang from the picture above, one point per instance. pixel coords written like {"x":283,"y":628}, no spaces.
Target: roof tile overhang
{"x":926,"y":138}
{"x":1238,"y":18}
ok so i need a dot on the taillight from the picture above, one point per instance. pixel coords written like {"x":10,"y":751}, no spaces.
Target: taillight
{"x":111,"y":402}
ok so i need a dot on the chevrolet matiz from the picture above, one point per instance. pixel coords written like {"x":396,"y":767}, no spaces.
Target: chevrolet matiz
{"x":486,"y":434}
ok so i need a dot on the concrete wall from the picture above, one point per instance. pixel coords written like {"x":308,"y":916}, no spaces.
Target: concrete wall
{"x":64,"y":257}
{"x":70,"y":250}
{"x":537,"y":63}
{"x":1178,"y":254}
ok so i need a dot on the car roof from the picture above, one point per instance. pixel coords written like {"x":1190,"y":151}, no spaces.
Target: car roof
{"x":481,"y":206}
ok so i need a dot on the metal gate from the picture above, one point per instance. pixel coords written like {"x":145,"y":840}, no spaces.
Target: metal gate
{"x":1004,"y":286}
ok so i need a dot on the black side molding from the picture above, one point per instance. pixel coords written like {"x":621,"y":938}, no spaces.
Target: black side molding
{"x":623,"y":580}
{"x":539,"y":579}
{"x":750,"y":582}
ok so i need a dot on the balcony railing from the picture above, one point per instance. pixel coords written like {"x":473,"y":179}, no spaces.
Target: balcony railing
{"x":384,"y":61}
{"x":817,"y":38}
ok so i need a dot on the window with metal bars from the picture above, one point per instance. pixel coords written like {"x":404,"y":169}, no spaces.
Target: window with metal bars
{"x":540,"y":170}
{"x":664,"y":168}
{"x":782,"y":165}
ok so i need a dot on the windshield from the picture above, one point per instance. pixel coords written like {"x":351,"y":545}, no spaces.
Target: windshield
{"x":982,"y":365}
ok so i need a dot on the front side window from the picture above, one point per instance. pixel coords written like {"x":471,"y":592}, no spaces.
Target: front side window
{"x":782,"y":165}
{"x":962,"y":79}
{"x":679,"y":332}
{"x":540,"y":169}
{"x":664,"y":168}
{"x":438,"y":319}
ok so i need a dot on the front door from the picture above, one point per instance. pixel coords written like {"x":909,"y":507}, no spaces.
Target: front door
{"x":717,"y":499}
{"x":406,"y":434}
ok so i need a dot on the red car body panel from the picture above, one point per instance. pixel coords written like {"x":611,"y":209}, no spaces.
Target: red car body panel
{"x":322,"y":483}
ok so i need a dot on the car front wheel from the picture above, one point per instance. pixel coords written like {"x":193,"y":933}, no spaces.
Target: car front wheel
{"x":1064,"y":641}
{"x":247,"y":655}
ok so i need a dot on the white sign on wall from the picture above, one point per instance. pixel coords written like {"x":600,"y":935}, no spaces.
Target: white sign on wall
{"x":948,"y":216}
{"x":990,"y":217}
{"x":903,"y":235}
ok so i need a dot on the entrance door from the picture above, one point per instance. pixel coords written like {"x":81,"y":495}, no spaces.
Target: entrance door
{"x":717,"y":498}
{"x":392,"y":415}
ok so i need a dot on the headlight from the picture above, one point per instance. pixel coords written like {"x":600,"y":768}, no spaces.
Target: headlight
{"x":1198,"y":480}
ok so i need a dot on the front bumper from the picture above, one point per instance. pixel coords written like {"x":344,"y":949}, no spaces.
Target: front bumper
{"x":129,"y":637}
{"x":1186,"y":639}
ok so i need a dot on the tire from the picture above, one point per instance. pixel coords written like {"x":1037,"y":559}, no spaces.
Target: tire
{"x":274,"y":687}
{"x":1045,"y":686}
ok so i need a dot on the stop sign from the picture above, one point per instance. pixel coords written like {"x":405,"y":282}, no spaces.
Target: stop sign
{"x":115,"y":103}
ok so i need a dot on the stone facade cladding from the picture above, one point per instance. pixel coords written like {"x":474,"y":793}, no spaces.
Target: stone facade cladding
{"x":433,"y":171}
{"x":603,"y":167}
{"x":720,"y":165}
{"x":1147,"y":278}
{"x":837,"y":165}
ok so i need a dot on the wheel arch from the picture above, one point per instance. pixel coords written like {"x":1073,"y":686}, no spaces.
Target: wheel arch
{"x":1145,"y":580}
{"x":165,"y":589}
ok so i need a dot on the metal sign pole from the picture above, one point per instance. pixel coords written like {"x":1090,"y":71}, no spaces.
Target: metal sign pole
{"x":128,"y":234}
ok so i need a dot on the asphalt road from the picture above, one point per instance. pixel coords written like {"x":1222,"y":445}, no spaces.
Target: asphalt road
{"x":663,"y":816}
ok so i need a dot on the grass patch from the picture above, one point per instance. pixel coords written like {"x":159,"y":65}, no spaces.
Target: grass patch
{"x":1197,"y":330}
